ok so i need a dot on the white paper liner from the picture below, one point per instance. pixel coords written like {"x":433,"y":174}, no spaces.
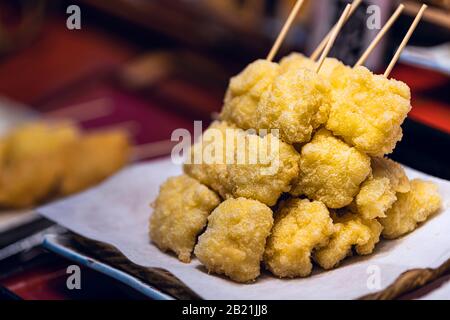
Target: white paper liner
{"x":117,"y":212}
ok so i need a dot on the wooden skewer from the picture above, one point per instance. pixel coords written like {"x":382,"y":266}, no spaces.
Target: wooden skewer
{"x":284,"y":30}
{"x":380,"y":35}
{"x":84,"y":111}
{"x":405,"y":40}
{"x":324,"y":41}
{"x":333,"y":36}
{"x":151,"y":150}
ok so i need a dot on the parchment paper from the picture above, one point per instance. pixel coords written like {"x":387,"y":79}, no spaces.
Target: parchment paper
{"x":117,"y":213}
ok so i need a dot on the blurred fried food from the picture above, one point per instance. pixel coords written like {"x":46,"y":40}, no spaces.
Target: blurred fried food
{"x":24,"y":183}
{"x":234,"y":242}
{"x":39,"y":139}
{"x":180,"y":214}
{"x":40,"y":160}
{"x":300,"y":227}
{"x":93,"y":158}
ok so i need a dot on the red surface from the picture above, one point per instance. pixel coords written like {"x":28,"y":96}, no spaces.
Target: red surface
{"x":48,"y":282}
{"x":58,"y":58}
{"x":430,"y":95}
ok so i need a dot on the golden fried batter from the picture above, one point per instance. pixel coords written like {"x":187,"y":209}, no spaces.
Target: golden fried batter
{"x":300,"y":227}
{"x":296,"y":60}
{"x":263,"y":169}
{"x":245,"y":91}
{"x":2,"y":154}
{"x":375,"y":198}
{"x":297,"y":103}
{"x":234,"y":242}
{"x":330,"y":170}
{"x":33,"y":162}
{"x":367,"y":110}
{"x":39,"y":139}
{"x":350,"y":231}
{"x":387,"y":168}
{"x":411,"y":208}
{"x":93,"y":158}
{"x":180,"y":213}
{"x":26,"y":182}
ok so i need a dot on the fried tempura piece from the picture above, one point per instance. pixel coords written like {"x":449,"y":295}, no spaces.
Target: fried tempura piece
{"x":26,"y":182}
{"x":411,"y":208}
{"x":33,"y":162}
{"x":330,"y":170}
{"x":2,"y":154}
{"x":245,"y":91}
{"x":296,"y":60}
{"x":259,"y":168}
{"x":180,"y":214}
{"x":367,"y":110}
{"x":350,"y":231}
{"x":39,"y":139}
{"x":378,"y":192}
{"x":375,"y":198}
{"x":233,"y":244}
{"x":300,"y":227}
{"x":297,"y":103}
{"x":387,"y":168}
{"x":93,"y":158}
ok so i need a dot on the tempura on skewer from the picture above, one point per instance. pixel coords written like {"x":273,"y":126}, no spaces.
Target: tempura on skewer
{"x":336,"y":124}
{"x":350,"y":231}
{"x":300,"y":227}
{"x":234,"y":242}
{"x":232,"y":173}
{"x":180,"y":214}
{"x":411,"y":209}
{"x":323,"y":176}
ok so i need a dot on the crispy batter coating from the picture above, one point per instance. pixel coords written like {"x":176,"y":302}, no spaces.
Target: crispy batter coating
{"x":2,"y":154}
{"x":39,"y":139}
{"x":234,"y":242}
{"x":180,"y":213}
{"x":367,"y":110}
{"x":411,"y":208}
{"x":297,"y":103}
{"x":330,"y":170}
{"x":93,"y":158}
{"x":263,"y":169}
{"x":300,"y":227}
{"x":33,"y":159}
{"x":296,"y":60}
{"x":350,"y":231}
{"x":387,"y":168}
{"x":375,"y":198}
{"x":26,"y":182}
{"x":245,"y":91}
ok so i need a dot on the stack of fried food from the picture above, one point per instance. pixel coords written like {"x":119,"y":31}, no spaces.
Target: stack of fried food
{"x":44,"y":160}
{"x":334,"y":193}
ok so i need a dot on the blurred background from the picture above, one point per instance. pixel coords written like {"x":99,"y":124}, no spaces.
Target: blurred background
{"x":149,"y":67}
